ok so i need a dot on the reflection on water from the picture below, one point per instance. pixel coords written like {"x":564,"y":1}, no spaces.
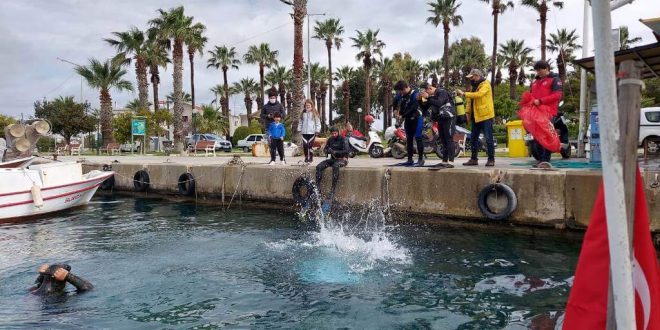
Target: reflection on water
{"x":158,"y":264}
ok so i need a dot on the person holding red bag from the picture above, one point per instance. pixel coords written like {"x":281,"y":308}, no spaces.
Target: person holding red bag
{"x":546,"y":90}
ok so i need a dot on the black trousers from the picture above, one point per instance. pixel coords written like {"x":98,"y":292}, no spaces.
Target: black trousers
{"x":413,"y":128}
{"x":446,"y":129}
{"x":335,"y":164}
{"x":308,"y":142}
{"x":544,"y":154}
{"x":276,"y":146}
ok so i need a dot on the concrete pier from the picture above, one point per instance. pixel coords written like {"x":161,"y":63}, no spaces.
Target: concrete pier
{"x":559,"y":199}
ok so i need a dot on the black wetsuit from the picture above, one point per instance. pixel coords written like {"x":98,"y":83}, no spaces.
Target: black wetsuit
{"x":47,"y":285}
{"x":412,"y":114}
{"x":338,"y":148}
{"x":446,"y":126}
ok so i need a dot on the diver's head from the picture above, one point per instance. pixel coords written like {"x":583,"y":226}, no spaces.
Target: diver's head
{"x":52,"y":281}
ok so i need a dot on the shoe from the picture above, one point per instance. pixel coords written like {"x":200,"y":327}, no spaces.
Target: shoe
{"x":449,"y":165}
{"x":420,"y":163}
{"x":408,"y":163}
{"x":439,"y":165}
{"x":490,"y":163}
{"x":283,"y":162}
{"x":544,"y":165}
{"x":272,"y":162}
{"x":471,"y":162}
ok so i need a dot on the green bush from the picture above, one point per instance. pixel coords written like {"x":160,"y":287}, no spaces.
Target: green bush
{"x":255,"y":127}
{"x":240,"y":133}
{"x":45,"y":145}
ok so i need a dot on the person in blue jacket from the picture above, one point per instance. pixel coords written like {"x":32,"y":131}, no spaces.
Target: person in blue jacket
{"x":276,"y":132}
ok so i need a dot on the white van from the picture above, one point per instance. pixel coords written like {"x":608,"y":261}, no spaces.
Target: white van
{"x":649,"y":126}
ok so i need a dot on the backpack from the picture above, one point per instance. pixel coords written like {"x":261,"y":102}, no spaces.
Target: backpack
{"x":445,"y":112}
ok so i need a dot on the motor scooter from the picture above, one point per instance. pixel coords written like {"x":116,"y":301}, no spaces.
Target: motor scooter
{"x":373,"y":145}
{"x":396,"y":138}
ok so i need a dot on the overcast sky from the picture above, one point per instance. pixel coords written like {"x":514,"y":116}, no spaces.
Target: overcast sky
{"x":33,"y":33}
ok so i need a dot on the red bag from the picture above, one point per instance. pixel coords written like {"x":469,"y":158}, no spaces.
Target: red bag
{"x":536,"y":120}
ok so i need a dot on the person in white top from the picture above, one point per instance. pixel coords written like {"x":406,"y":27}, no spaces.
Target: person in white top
{"x":309,"y":126}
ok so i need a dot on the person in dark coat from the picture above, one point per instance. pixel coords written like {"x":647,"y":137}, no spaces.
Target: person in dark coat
{"x":439,"y":104}
{"x":269,"y":110}
{"x":52,"y":280}
{"x":411,"y":112}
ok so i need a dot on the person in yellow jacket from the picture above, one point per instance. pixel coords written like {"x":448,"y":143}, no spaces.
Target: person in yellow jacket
{"x":461,"y":118}
{"x":481,"y":111}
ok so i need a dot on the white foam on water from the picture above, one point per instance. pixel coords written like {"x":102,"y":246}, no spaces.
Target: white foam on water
{"x":517,"y":285}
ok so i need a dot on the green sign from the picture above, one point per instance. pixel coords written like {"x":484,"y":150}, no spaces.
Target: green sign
{"x":138,"y":127}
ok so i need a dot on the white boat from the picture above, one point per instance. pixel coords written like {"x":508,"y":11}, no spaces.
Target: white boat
{"x":29,"y":190}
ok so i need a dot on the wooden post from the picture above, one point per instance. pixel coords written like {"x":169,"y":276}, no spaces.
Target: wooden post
{"x":629,"y":103}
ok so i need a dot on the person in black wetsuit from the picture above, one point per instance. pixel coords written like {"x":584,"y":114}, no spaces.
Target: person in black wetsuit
{"x":440,"y":104}
{"x":337,"y":147}
{"x":411,"y":112}
{"x":52,"y":280}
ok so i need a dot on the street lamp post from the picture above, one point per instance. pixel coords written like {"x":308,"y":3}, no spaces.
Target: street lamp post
{"x":309,"y":59}
{"x":359,"y":111}
{"x":81,"y":78}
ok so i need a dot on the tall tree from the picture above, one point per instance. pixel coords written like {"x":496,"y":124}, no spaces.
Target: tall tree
{"x":263,"y":56}
{"x":223,"y":57}
{"x":541,"y":6}
{"x":105,"y":76}
{"x":445,"y":12}
{"x":195,"y":40}
{"x":66,"y":116}
{"x":175,"y":25}
{"x":345,"y":74}
{"x":330,"y":31}
{"x":280,"y":76}
{"x":298,"y":98}
{"x":247,"y":87}
{"x":318,"y":75}
{"x":624,"y":38}
{"x":564,"y":43}
{"x":155,"y":57}
{"x":387,"y":71}
{"x":131,"y":45}
{"x":514,"y":52}
{"x":467,"y":54}
{"x":368,"y":45}
{"x":434,"y":69}
{"x":498,"y":7}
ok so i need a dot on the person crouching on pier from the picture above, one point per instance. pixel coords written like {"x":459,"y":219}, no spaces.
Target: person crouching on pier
{"x":338,"y":149}
{"x":309,"y":126}
{"x":276,"y":132}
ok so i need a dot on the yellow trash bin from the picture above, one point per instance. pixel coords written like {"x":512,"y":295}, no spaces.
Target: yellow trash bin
{"x":516,"y":135}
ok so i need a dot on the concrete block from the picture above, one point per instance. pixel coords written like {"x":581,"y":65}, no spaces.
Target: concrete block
{"x":356,"y":185}
{"x":581,"y":191}
{"x":541,"y":196}
{"x":209,"y":179}
{"x":124,"y":175}
{"x":164,"y":177}
{"x":450,"y":192}
{"x":268,"y":183}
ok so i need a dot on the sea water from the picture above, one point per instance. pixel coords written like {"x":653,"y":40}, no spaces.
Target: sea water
{"x":159,"y":264}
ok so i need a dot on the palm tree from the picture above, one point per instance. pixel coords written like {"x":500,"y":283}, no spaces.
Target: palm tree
{"x":330,"y":31}
{"x":387,"y":71}
{"x":133,"y":105}
{"x":368,"y":45}
{"x":105,"y":76}
{"x":412,"y":69}
{"x":499,"y":7}
{"x":175,"y":25}
{"x":264,"y":57}
{"x":542,"y":7}
{"x":434,"y":68}
{"x":132,"y":44}
{"x":564,"y":43}
{"x":195,"y":40}
{"x":345,"y":74}
{"x":514,"y":52}
{"x":155,"y":56}
{"x":212,"y":121}
{"x":185,"y":97}
{"x":247,"y":87}
{"x":467,"y":54}
{"x":498,"y":76}
{"x":445,"y":12}
{"x":280,"y":76}
{"x":298,"y":98}
{"x":318,"y":75}
{"x":223,"y":57}
{"x":624,"y":38}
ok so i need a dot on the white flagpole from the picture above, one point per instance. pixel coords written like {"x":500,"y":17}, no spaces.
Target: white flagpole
{"x":615,"y":199}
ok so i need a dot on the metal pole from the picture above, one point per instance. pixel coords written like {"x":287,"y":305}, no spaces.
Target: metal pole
{"x":309,"y":62}
{"x":583,"y":78}
{"x":615,"y":198}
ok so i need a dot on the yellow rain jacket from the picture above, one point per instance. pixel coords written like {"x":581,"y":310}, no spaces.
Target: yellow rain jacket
{"x":480,"y":102}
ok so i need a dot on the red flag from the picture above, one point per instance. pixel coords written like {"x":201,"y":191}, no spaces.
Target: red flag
{"x":587,"y":303}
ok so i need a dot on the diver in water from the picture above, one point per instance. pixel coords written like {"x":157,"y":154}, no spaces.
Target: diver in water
{"x":52,"y":280}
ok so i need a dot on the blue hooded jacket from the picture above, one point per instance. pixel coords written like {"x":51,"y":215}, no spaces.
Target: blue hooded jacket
{"x":276,"y":131}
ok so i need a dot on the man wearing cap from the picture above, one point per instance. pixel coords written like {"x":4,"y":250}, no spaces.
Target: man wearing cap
{"x":482,"y":111}
{"x":547,"y":90}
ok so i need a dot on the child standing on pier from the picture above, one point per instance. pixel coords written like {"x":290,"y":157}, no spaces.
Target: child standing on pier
{"x":276,"y":132}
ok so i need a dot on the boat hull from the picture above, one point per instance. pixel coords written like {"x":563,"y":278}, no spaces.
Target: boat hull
{"x":21,"y":204}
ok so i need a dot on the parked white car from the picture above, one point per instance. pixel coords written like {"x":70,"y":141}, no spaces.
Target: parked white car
{"x":649,"y":127}
{"x":246,"y":144}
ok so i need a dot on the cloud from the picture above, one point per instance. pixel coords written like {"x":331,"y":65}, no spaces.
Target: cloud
{"x":35,"y":33}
